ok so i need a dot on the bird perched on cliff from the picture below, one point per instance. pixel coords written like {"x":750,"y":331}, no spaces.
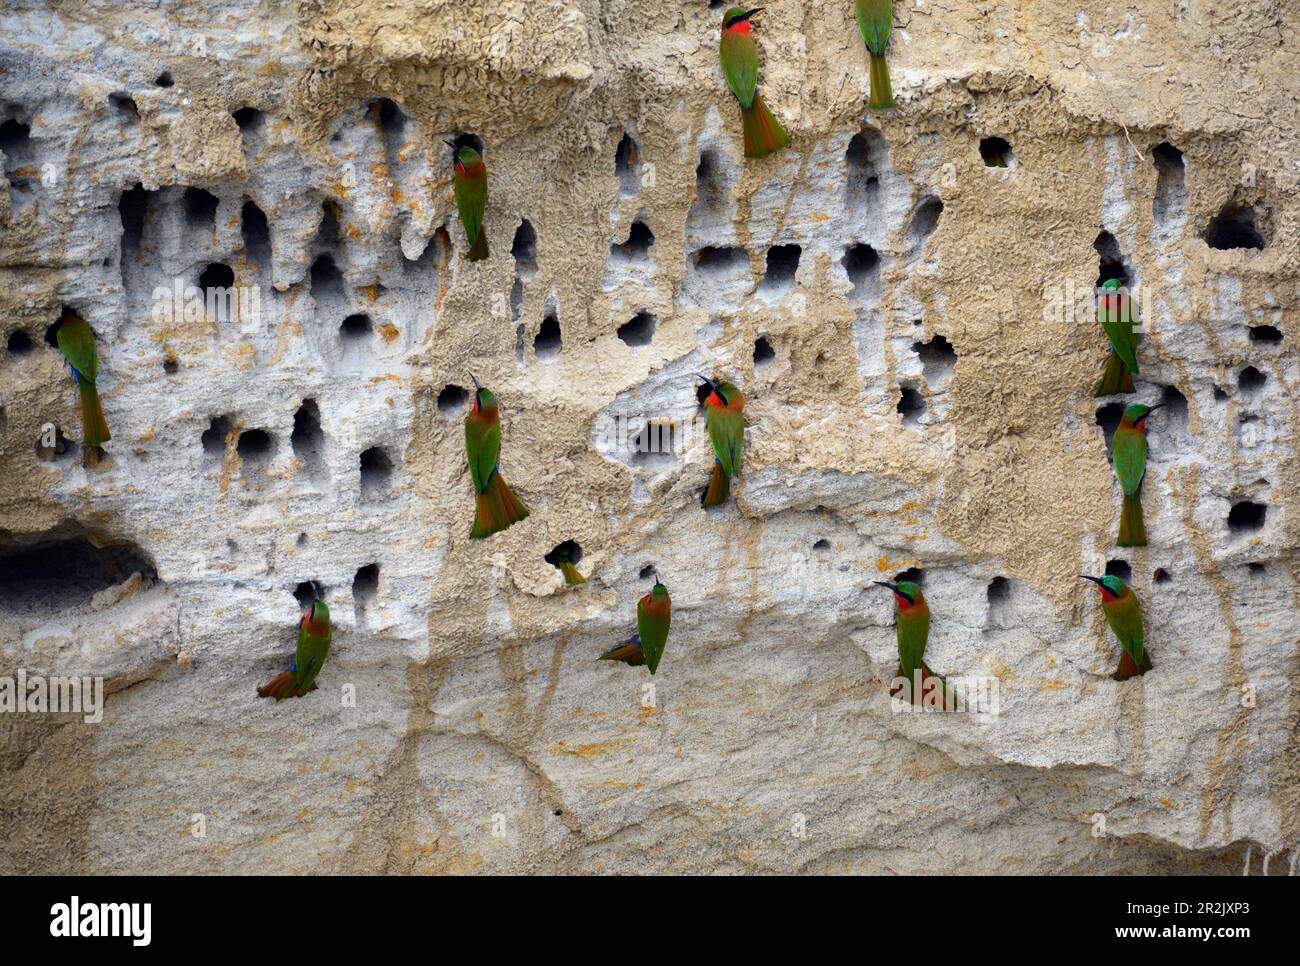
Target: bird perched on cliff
{"x":739,"y":55}
{"x":77,"y":343}
{"x":1128,"y":451}
{"x":1124,"y":615}
{"x":725,"y":421}
{"x":469,"y":181}
{"x":913,"y":675}
{"x":875,"y":21}
{"x":654,"y":614}
{"x":497,"y":507}
{"x":1118,"y":317}
{"x":314,"y":633}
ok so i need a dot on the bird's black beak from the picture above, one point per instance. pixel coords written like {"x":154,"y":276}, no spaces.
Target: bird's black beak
{"x":708,"y":382}
{"x":450,"y":144}
{"x":886,"y":583}
{"x":1151,"y":409}
{"x":1095,"y":580}
{"x":750,"y":13}
{"x":474,"y":378}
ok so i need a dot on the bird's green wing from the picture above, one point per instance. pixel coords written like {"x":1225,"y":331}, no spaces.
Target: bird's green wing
{"x":310,"y":657}
{"x":875,"y":21}
{"x":1125,"y":618}
{"x":77,"y":342}
{"x":482,"y":448}
{"x":471,"y":200}
{"x":739,"y":56}
{"x":1118,"y":322}
{"x":652,"y":626}
{"x":913,"y":632}
{"x":1129,"y":452}
{"x":727,"y":433}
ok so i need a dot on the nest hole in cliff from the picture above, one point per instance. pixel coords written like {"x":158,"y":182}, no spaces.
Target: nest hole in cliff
{"x":164,"y":79}
{"x":1175,"y":408}
{"x":863,"y":161}
{"x":452,"y":399}
{"x":19,"y":343}
{"x":639,"y":330}
{"x":356,"y":327}
{"x":1161,"y":576}
{"x":996,"y":152}
{"x":254,"y":447}
{"x":51,"y":447}
{"x":171,"y":365}
{"x":636,"y":248}
{"x":1119,"y":568}
{"x":862,"y":266}
{"x":214,"y":437}
{"x":710,"y":186}
{"x":569,"y":550}
{"x":1250,"y":380}
{"x":1265,"y":335}
{"x":524,"y":250}
{"x":924,"y":223}
{"x":1256,"y":569}
{"x":376,"y":473}
{"x":365,"y":585}
{"x":1108,"y":417}
{"x":123,"y":104}
{"x":549,"y":340}
{"x":20,"y":164}
{"x":911,"y":404}
{"x":200,"y":207}
{"x":1235,"y":226}
{"x":627,"y":165}
{"x":998,"y":594}
{"x":1110,"y":260}
{"x":132,"y":207}
{"x":390,"y":117}
{"x":248,"y":118}
{"x":217,"y":282}
{"x":256,"y":233}
{"x":782,"y":266}
{"x":1170,"y":200}
{"x":61,"y":569}
{"x":764,"y":354}
{"x":307,"y":438}
{"x":722,"y":262}
{"x":938,"y":358}
{"x":326,"y":279}
{"x":307,"y":593}
{"x":821,"y":544}
{"x":647,"y":572}
{"x":1246,"y":516}
{"x":915,"y":574}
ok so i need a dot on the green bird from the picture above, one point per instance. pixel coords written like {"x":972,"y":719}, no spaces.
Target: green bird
{"x":470,"y":184}
{"x":496,"y":507}
{"x":875,"y":22}
{"x":913,"y":634}
{"x":654,"y":614}
{"x":77,"y":343}
{"x":1124,"y":615}
{"x":1128,"y":451}
{"x":725,"y":421}
{"x":314,"y":633}
{"x":1117,"y":314}
{"x":739,"y":55}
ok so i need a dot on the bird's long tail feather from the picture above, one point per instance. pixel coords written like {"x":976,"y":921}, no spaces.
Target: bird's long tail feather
{"x":719,"y":486}
{"x":1115,"y":378}
{"x":763,"y":132}
{"x":479,"y":250}
{"x":924,"y":694}
{"x":497,"y":508}
{"x":1128,"y":667}
{"x":282,"y":686}
{"x":882,"y":92}
{"x":94,"y":426}
{"x":1132,"y":528}
{"x":571,"y":575}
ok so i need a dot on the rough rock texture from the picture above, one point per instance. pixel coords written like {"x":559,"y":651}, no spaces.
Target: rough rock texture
{"x":915,"y":402}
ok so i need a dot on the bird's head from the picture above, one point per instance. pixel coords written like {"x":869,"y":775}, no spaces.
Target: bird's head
{"x":484,"y":398}
{"x":736,"y":19}
{"x":906,"y":592}
{"x":1135,"y":416}
{"x":319,"y":615}
{"x":1109,"y":586}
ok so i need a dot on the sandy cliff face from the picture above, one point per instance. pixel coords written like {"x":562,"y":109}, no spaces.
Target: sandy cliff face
{"x":897,"y":311}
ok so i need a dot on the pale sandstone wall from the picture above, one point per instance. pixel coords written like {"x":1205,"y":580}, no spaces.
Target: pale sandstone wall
{"x":477,"y":693}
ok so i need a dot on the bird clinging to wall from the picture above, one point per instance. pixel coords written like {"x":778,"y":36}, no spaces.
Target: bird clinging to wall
{"x":739,"y":55}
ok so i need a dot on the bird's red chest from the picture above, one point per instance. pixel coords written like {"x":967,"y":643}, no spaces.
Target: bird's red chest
{"x":739,"y":28}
